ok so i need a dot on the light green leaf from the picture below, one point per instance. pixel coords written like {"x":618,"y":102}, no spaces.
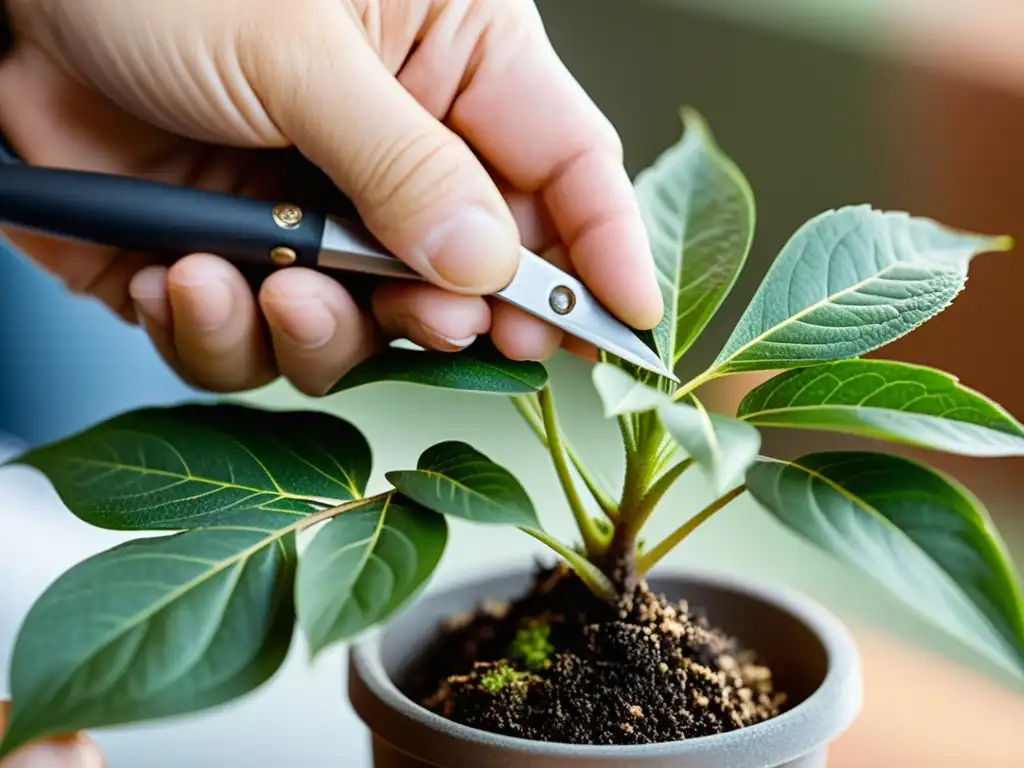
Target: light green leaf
{"x":192,"y":466}
{"x":889,"y":401}
{"x":699,"y":214}
{"x":588,"y":573}
{"x":479,"y":368}
{"x":723,"y":447}
{"x":156,"y":627}
{"x":621,"y":394}
{"x":920,"y":534}
{"x":848,"y":282}
{"x":453,"y":478}
{"x":364,"y":565}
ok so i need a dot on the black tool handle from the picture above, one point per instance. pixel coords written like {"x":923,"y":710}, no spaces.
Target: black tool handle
{"x":157,"y":218}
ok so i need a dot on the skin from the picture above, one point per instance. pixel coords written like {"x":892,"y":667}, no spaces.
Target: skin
{"x":451,"y":124}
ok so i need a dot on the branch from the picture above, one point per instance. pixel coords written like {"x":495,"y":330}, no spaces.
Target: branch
{"x":650,"y":558}
{"x":525,"y":404}
{"x":647,"y":504}
{"x":588,"y":530}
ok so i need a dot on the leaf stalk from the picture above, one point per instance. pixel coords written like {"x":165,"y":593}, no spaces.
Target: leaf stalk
{"x":529,"y":409}
{"x":650,"y":558}
{"x":592,"y":538}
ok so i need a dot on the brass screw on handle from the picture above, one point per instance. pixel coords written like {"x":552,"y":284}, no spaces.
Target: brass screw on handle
{"x":283,"y":256}
{"x":287,"y":215}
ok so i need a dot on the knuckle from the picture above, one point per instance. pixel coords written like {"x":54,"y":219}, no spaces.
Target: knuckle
{"x":408,"y":175}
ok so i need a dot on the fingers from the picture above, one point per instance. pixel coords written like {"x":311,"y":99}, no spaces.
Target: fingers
{"x":74,"y":750}
{"x":203,"y":319}
{"x":430,"y":317}
{"x":530,"y":119}
{"x":218,"y":333}
{"x":318,"y":331}
{"x":418,"y":187}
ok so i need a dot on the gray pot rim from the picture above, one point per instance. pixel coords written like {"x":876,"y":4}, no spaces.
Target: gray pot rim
{"x":818,"y":719}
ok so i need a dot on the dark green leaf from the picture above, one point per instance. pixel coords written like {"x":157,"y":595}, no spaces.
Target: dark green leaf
{"x":480,"y":368}
{"x":923,"y":536}
{"x":364,"y":565}
{"x":699,"y":213}
{"x":848,"y":282}
{"x":156,"y":627}
{"x":453,"y":478}
{"x":889,"y":401}
{"x":723,"y":447}
{"x":192,"y":466}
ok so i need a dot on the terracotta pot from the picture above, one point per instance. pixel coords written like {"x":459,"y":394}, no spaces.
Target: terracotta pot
{"x":812,"y":654}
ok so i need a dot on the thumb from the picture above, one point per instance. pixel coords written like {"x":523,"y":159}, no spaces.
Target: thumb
{"x":418,"y":187}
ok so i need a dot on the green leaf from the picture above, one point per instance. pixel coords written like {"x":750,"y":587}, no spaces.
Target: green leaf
{"x":479,"y":368}
{"x":848,"y":282}
{"x":699,"y":214}
{"x":621,"y":394}
{"x":888,"y":401}
{"x":364,"y":565}
{"x":920,"y":534}
{"x":453,"y":478}
{"x":156,"y":627}
{"x":193,"y":466}
{"x":588,"y":573}
{"x":723,"y":447}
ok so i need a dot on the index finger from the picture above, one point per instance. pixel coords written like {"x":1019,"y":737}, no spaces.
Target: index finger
{"x":524,"y":112}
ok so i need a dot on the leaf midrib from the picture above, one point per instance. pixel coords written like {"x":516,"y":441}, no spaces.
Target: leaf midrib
{"x":874,"y":409}
{"x":449,"y":479}
{"x":812,"y":308}
{"x":194,"y":478}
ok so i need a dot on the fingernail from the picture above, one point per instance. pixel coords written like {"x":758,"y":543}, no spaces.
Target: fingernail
{"x":465,"y":250}
{"x":148,"y":291}
{"x":208,"y":303}
{"x":443,"y":343}
{"x":308,"y":324}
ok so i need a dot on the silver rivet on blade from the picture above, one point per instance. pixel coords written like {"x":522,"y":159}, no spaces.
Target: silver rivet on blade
{"x":562,"y":300}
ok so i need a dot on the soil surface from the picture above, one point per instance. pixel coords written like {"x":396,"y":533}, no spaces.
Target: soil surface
{"x":560,"y":665}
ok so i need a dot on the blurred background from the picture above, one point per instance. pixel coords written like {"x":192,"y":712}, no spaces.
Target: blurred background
{"x":908,"y":104}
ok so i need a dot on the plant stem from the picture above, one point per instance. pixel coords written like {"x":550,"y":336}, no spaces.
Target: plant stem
{"x":692,"y":384}
{"x":588,"y":530}
{"x":626,"y":430}
{"x":651,"y":557}
{"x":641,"y":464}
{"x":589,"y":573}
{"x":525,"y":405}
{"x":326,"y":514}
{"x":647,"y":504}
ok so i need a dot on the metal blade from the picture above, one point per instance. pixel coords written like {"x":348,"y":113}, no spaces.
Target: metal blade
{"x":545,"y":291}
{"x":539,"y":287}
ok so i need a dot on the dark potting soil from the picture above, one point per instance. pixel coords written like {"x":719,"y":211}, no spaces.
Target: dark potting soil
{"x":560,"y":665}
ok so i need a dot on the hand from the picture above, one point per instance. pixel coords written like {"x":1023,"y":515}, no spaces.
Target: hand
{"x":395,"y":101}
{"x":75,"y":750}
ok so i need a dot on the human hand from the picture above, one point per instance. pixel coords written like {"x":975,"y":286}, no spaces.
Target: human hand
{"x":394,"y":100}
{"x":75,"y":750}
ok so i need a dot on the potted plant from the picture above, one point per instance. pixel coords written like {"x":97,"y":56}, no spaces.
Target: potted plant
{"x":586,"y":662}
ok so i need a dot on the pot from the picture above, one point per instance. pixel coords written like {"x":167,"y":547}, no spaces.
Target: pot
{"x":813,"y":657}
